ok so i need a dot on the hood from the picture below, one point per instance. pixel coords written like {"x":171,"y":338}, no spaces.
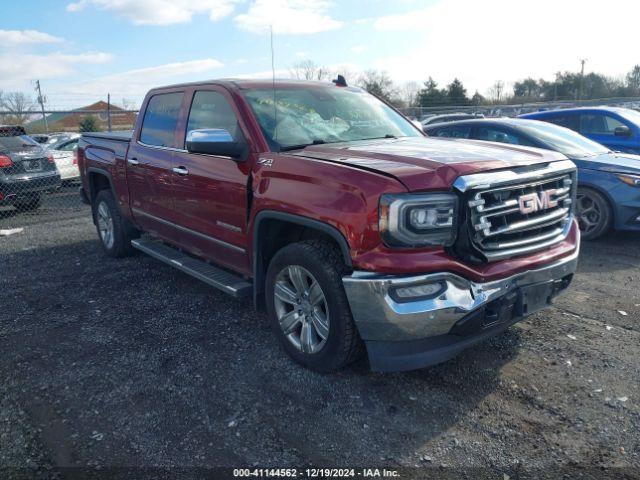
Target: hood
{"x":612,"y":162}
{"x":428,"y":163}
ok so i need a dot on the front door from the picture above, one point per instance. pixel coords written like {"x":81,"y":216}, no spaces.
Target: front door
{"x":601,"y":128}
{"x":150,"y":162}
{"x":210,"y":192}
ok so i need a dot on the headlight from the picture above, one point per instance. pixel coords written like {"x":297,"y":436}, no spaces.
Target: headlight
{"x":633,"y":180}
{"x":417,"y":220}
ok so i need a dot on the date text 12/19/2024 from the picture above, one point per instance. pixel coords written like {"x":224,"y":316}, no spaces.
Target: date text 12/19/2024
{"x":314,"y":473}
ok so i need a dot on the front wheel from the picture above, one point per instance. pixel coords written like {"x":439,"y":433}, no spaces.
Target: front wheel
{"x":308,"y":307}
{"x":594,"y":213}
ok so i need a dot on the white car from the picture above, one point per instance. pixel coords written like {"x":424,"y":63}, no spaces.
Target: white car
{"x":64,"y":155}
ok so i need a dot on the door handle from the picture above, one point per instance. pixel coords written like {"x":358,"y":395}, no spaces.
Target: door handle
{"x":133,"y":161}
{"x":181,"y":170}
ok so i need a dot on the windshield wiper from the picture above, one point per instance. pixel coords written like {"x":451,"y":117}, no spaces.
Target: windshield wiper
{"x":317,"y":141}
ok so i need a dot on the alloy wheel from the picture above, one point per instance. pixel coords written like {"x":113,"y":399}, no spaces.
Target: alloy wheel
{"x":301,"y":308}
{"x":105,"y":225}
{"x":588,"y":212}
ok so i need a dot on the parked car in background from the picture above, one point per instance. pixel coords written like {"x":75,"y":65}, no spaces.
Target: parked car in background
{"x":26,"y":169}
{"x":449,"y":117}
{"x":334,"y":212}
{"x":608,"y":182}
{"x":64,"y":154}
{"x":616,"y":128}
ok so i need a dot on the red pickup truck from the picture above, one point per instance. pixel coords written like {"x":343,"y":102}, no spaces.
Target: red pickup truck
{"x":338,"y":216}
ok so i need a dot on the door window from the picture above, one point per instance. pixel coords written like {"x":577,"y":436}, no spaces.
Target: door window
{"x":599,"y":124}
{"x":491,"y":134}
{"x":160,"y":120}
{"x":461,"y":131}
{"x":567,"y":121}
{"x":210,"y":109}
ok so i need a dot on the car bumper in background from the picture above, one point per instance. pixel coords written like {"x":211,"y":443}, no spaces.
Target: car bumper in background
{"x":404,"y":335}
{"x":67,"y":169}
{"x":15,"y":188}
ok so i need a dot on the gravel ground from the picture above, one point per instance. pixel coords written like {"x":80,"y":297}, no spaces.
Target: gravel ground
{"x":128,"y":363}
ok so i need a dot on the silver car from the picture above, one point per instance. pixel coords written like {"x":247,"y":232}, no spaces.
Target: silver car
{"x":64,"y":155}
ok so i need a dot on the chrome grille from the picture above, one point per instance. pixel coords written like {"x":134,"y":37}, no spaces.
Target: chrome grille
{"x":519,"y":213}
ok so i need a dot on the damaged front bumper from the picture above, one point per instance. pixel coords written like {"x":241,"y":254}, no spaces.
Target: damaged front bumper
{"x":404,"y":333}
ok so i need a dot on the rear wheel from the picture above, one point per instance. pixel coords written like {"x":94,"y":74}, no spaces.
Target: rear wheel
{"x":114,"y":231}
{"x":33,"y":202}
{"x":594,"y":213}
{"x":308,"y":307}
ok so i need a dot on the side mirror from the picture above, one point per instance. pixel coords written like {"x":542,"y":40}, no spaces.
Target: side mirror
{"x":214,"y":141}
{"x":622,"y":131}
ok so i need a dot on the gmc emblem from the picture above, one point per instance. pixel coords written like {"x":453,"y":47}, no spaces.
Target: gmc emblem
{"x":533,"y":202}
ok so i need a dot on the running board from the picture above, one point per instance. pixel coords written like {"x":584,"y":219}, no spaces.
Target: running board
{"x":216,"y":277}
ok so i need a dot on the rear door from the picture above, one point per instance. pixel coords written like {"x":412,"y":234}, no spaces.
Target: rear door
{"x":210,"y":194}
{"x":150,"y":161}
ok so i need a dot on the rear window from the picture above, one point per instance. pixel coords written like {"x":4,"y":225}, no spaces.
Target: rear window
{"x":160,"y":120}
{"x":17,"y":143}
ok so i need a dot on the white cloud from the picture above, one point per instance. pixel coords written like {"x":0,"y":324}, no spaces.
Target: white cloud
{"x":137,"y":82}
{"x":160,"y":12}
{"x":358,"y":48}
{"x":17,"y":71}
{"x":481,"y":42}
{"x":288,"y":17}
{"x":22,"y":37}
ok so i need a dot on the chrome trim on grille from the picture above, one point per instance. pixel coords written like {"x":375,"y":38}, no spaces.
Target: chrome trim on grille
{"x":498,"y":220}
{"x":489,"y":179}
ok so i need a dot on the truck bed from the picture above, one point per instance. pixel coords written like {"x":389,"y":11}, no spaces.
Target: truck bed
{"x":121,"y":136}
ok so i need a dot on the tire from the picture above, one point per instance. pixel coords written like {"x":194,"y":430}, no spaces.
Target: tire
{"x":316,"y":261}
{"x":114,"y":231}
{"x":594,"y":213}
{"x":33,"y":203}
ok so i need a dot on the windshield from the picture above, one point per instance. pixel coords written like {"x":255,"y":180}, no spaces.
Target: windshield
{"x":631,"y":115}
{"x":312,"y":115}
{"x":562,"y":139}
{"x":17,"y":143}
{"x":54,"y":145}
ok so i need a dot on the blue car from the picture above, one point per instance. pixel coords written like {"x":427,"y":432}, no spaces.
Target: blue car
{"x":616,"y":128}
{"x":608,"y":183}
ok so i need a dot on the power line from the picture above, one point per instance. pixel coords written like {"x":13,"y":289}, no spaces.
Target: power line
{"x":41,"y":101}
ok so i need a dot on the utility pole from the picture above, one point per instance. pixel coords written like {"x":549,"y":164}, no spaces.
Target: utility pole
{"x":108,"y":112}
{"x":582,"y":62}
{"x":41,"y":101}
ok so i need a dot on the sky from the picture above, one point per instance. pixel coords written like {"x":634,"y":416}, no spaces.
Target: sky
{"x":81,"y":50}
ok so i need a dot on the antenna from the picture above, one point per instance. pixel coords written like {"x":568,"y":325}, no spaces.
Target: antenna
{"x":340,"y":81}
{"x":273,"y":84}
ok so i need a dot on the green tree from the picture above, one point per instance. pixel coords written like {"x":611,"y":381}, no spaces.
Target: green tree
{"x":431,"y":95}
{"x":527,"y":88}
{"x":477,"y":99}
{"x":456,"y":93}
{"x":88,"y":124}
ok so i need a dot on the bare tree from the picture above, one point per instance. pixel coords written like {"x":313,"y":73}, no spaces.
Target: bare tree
{"x":308,"y":70}
{"x":409,"y":93}
{"x":495,"y":92}
{"x":16,"y":104}
{"x":378,"y":83}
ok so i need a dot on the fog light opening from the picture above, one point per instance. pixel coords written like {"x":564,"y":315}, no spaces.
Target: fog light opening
{"x":422,"y":291}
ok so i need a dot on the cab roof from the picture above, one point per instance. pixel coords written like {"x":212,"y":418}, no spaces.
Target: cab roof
{"x":248,"y":83}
